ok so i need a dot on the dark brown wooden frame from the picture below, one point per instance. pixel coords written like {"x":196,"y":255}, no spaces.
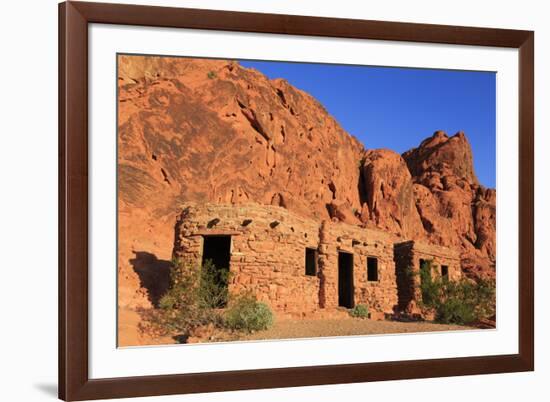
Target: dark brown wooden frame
{"x":74,"y":383}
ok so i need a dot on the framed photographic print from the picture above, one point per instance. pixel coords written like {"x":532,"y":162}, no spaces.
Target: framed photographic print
{"x":260,"y":200}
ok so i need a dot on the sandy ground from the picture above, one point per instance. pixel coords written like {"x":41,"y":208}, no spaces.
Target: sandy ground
{"x":306,"y":328}
{"x":288,"y":329}
{"x":129,"y":335}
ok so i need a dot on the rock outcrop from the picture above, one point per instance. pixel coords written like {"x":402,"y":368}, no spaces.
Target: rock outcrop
{"x":388,"y":189}
{"x":455,"y":210}
{"x":212,"y":131}
{"x":439,"y":157}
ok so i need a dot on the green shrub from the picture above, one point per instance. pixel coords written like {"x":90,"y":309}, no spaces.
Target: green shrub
{"x":457,"y":302}
{"x":213,"y":289}
{"x":456,"y":311}
{"x":211,"y":75}
{"x":245,"y":313}
{"x":191,"y":301}
{"x":430,"y":289}
{"x":360,"y":311}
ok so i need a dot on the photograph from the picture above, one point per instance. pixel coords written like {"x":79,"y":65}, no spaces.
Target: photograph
{"x":262,"y":201}
{"x":266,"y":200}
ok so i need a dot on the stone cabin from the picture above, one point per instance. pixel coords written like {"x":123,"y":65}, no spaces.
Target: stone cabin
{"x":410,"y":256}
{"x":298,"y":265}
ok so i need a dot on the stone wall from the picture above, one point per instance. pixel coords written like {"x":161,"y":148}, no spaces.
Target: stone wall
{"x":408,"y":257}
{"x":267,"y":250}
{"x":379,"y":295}
{"x":268,"y":257}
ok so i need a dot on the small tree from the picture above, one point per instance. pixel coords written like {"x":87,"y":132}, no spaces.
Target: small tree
{"x":191,"y":301}
{"x":194,"y":298}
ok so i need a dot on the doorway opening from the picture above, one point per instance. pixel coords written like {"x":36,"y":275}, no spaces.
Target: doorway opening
{"x":216,"y":255}
{"x":345,"y":280}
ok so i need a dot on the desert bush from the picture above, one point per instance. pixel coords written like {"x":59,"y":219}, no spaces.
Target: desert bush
{"x":360,"y":311}
{"x":245,"y":313}
{"x":457,"y":302}
{"x":191,"y":301}
{"x":211,"y":75}
{"x":430,"y":289}
{"x":213,"y":289}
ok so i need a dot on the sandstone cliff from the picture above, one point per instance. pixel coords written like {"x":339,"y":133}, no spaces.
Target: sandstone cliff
{"x":455,"y":210}
{"x":211,"y":130}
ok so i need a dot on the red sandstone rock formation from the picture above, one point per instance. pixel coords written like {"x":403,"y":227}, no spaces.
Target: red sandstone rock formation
{"x":388,"y":189}
{"x":455,"y":210}
{"x":431,"y":193}
{"x":211,"y":130}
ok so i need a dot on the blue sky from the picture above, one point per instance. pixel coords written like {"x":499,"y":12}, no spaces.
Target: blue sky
{"x":397,"y":108}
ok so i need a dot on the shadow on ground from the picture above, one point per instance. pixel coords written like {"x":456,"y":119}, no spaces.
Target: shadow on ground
{"x":154,"y":274}
{"x":48,"y":389}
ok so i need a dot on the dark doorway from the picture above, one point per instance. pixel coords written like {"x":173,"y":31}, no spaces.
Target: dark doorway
{"x":217,"y":250}
{"x":345,"y":280}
